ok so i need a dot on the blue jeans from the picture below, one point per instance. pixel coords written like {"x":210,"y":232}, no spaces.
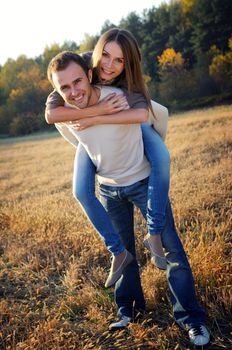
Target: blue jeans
{"x":84,"y":189}
{"x":118,"y":202}
{"x":84,"y":192}
{"x":159,"y":178}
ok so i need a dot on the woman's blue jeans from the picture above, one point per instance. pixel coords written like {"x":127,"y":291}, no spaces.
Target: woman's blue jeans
{"x":84,"y":192}
{"x":119,"y":202}
{"x":159,"y":178}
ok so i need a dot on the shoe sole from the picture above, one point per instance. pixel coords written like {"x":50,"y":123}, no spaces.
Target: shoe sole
{"x":112,"y":328}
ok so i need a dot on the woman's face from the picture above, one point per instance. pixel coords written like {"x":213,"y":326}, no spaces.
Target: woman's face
{"x":112,"y":61}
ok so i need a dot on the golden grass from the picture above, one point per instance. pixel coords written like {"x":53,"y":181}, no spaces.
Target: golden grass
{"x":53,"y":265}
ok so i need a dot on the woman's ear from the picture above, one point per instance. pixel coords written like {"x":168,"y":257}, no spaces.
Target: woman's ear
{"x":90,"y":75}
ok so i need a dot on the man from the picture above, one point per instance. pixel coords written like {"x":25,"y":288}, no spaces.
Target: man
{"x":67,"y":72}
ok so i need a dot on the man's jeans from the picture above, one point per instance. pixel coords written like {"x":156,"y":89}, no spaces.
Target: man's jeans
{"x":119,"y":201}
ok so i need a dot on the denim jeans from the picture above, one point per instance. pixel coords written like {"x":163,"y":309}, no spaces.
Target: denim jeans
{"x":159,"y":178}
{"x":84,"y":192}
{"x":84,"y":189}
{"x":118,"y":202}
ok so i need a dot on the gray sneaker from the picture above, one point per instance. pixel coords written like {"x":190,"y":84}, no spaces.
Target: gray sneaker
{"x":199,"y":335}
{"x":115,"y":275}
{"x":122,"y":323}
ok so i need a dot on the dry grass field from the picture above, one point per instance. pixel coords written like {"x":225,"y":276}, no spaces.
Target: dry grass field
{"x":53,"y":265}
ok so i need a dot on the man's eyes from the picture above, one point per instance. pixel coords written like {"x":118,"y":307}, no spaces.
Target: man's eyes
{"x":66,"y":87}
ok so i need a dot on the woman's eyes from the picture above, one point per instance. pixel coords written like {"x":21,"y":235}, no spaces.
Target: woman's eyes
{"x":119,"y":60}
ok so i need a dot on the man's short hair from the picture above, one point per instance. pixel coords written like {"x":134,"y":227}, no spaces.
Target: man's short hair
{"x":61,"y":62}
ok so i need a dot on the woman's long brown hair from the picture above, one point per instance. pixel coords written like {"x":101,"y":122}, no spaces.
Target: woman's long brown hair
{"x":132,"y":75}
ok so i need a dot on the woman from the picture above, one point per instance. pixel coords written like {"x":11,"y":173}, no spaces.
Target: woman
{"x":116,"y":61}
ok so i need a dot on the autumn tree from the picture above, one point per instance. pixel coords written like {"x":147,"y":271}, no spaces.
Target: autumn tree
{"x":176,"y":84}
{"x":221,"y":68}
{"x":25,"y":95}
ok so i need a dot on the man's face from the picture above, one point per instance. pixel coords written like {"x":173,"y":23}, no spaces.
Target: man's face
{"x":73,"y":85}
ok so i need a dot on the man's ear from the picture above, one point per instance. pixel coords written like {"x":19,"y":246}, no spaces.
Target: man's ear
{"x":90,"y":75}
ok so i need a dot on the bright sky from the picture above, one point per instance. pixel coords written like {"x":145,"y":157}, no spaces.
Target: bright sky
{"x":28,"y":26}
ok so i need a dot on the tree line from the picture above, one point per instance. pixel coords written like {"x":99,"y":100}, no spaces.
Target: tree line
{"x":186,"y":47}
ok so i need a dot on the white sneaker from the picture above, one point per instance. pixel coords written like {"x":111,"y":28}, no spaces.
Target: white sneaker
{"x":122,"y":323}
{"x":199,"y":335}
